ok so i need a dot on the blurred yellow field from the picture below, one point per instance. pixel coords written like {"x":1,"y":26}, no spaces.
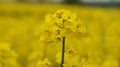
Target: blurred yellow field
{"x":21,"y":25}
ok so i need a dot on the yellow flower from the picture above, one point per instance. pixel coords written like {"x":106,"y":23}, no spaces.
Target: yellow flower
{"x":65,"y":14}
{"x":42,"y":39}
{"x":6,"y":51}
{"x":70,"y":57}
{"x":7,"y":55}
{"x":83,"y":63}
{"x":59,"y":56}
{"x":49,"y":18}
{"x":62,"y":23}
{"x":44,"y":63}
{"x":68,"y":65}
{"x":72,"y":51}
{"x":82,"y":30}
{"x":5,"y":46}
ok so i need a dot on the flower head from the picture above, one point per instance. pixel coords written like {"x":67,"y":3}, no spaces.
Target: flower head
{"x":68,"y":65}
{"x":6,"y":51}
{"x":61,"y":24}
{"x":70,"y":57}
{"x":8,"y":57}
{"x":5,"y":46}
{"x":72,"y":51}
{"x":44,"y":63}
{"x":83,"y":63}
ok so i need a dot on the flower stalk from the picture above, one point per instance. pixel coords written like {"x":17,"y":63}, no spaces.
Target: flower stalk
{"x":63,"y":51}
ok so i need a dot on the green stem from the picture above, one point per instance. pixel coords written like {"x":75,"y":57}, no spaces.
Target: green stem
{"x":63,"y":50}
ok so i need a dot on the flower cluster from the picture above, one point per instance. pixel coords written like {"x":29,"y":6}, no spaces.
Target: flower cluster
{"x":71,"y":60}
{"x":57,"y":27}
{"x":61,"y":24}
{"x":7,"y":56}
{"x":44,"y":63}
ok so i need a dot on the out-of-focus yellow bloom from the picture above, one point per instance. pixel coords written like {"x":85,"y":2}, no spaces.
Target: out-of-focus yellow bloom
{"x":44,"y":63}
{"x":6,"y":51}
{"x":8,"y":56}
{"x":70,"y":57}
{"x":4,"y":46}
{"x":83,"y":63}
{"x":59,"y":56}
{"x":68,"y":65}
{"x":72,"y":51}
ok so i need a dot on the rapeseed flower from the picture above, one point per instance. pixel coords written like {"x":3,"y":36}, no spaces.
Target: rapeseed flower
{"x":68,"y":65}
{"x":7,"y":56}
{"x":57,"y":27}
{"x":83,"y":63}
{"x":44,"y":63}
{"x":62,"y":24}
{"x":71,"y":56}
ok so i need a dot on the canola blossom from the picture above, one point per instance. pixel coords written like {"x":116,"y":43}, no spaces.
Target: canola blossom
{"x":62,"y":23}
{"x":44,"y":63}
{"x":59,"y":27}
{"x":8,"y":57}
{"x":71,"y":57}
